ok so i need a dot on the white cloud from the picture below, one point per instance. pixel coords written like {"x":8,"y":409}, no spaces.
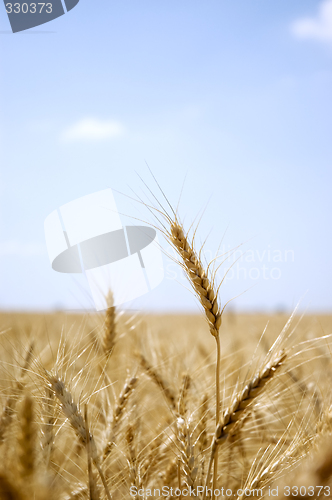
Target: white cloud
{"x":318,"y":27}
{"x":92,"y":129}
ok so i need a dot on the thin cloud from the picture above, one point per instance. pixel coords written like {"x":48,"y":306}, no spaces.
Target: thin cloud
{"x":318,"y":27}
{"x":92,"y":129}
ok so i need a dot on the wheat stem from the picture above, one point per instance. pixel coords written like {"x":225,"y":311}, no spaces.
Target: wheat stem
{"x":240,"y":404}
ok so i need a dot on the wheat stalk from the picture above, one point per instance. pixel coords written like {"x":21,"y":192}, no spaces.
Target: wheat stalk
{"x":231,"y":416}
{"x":93,"y":487}
{"x":76,"y":420}
{"x":154,"y":375}
{"x":109,"y":333}
{"x":27,"y":438}
{"x":154,"y":453}
{"x":201,"y":428}
{"x":182,"y":400}
{"x":207,"y":294}
{"x":187,"y":453}
{"x":9,"y":407}
{"x":71,"y":410}
{"x":47,"y":439}
{"x":132,"y":458}
{"x":118,"y":412}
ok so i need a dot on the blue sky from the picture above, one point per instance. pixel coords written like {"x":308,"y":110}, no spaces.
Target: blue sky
{"x":233,"y":97}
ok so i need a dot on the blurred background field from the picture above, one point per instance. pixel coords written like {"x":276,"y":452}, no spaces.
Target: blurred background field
{"x":167,"y":338}
{"x":236,"y":327}
{"x":152,"y":394}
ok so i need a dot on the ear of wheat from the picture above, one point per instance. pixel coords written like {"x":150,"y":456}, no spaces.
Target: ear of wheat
{"x":109,"y":333}
{"x":198,"y":276}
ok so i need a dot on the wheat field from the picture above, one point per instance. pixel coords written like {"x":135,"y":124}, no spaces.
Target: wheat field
{"x":118,"y":405}
{"x":80,"y":420}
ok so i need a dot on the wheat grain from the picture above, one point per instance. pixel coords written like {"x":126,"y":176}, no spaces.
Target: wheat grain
{"x":108,"y":340}
{"x":9,"y":407}
{"x":70,"y":410}
{"x":132,"y":456}
{"x":153,"y":374}
{"x":198,"y":276}
{"x":47,"y":439}
{"x":182,"y":400}
{"x":118,"y":412}
{"x":27,"y":438}
{"x":187,"y":453}
{"x":251,"y":391}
